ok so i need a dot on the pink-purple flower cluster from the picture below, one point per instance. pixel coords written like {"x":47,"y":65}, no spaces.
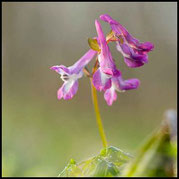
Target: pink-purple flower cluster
{"x":107,"y":77}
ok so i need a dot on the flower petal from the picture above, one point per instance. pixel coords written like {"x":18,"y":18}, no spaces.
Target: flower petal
{"x":132,"y":58}
{"x":83,"y":61}
{"x":110,"y":96}
{"x":120,"y":30}
{"x":128,"y":84}
{"x":101,"y":81}
{"x":133,"y":64}
{"x":78,"y":66}
{"x":61,"y":69}
{"x":108,"y":19}
{"x":68,"y":90}
{"x":146,"y":46}
{"x":105,"y":58}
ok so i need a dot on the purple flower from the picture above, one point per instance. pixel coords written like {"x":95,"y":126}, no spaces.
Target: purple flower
{"x":120,"y":85}
{"x":134,"y":52}
{"x":107,"y":69}
{"x":70,"y":75}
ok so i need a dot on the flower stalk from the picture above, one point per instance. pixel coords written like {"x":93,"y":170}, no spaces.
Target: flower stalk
{"x":98,"y":116}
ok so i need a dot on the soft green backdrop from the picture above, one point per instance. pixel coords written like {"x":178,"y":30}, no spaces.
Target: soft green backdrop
{"x":40,"y":133}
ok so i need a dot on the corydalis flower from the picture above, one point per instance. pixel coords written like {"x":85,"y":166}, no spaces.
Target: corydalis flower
{"x":134,"y":52}
{"x":70,"y":75}
{"x":120,"y":85}
{"x":108,"y":77}
{"x":107,"y":67}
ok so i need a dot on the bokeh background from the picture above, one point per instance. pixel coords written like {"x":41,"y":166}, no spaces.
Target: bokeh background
{"x":40,"y":133}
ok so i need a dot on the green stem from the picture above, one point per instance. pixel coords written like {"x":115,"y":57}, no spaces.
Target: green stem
{"x":98,"y":117}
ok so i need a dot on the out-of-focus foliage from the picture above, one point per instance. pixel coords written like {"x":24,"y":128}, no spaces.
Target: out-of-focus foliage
{"x":156,"y":158}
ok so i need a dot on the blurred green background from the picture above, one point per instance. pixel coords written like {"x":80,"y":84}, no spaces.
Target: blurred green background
{"x":40,"y":133}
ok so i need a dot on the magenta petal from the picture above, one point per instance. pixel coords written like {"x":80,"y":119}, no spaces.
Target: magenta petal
{"x":71,"y":75}
{"x":105,"y":58}
{"x":128,"y":84}
{"x":78,"y":66}
{"x":129,"y":52}
{"x":101,"y":38}
{"x":101,"y":81}
{"x":133,"y":64}
{"x":107,"y":18}
{"x":68,"y":90}
{"x":83,"y":61}
{"x":119,"y":29}
{"x":113,"y":23}
{"x":61,"y":69}
{"x":138,"y":48}
{"x":146,"y":46}
{"x":131,"y":57}
{"x":110,"y":96}
{"x":60,"y":92}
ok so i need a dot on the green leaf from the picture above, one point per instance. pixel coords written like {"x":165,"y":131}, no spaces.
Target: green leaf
{"x":93,"y":43}
{"x":157,"y":157}
{"x":70,"y":169}
{"x":108,"y":163}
